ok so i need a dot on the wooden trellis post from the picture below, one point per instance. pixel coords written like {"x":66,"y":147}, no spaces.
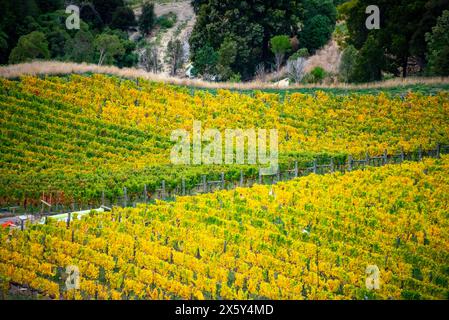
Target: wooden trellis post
{"x":222,"y":181}
{"x":204,"y":184}
{"x":241,"y":178}
{"x":349,"y":163}
{"x":438,"y":150}
{"x":102,"y":198}
{"x":315,"y":166}
{"x":367,"y":159}
{"x":69,"y":216}
{"x":163,"y":190}
{"x":183,"y":186}
{"x":296,"y":169}
{"x":332,"y":168}
{"x":260,"y":176}
{"x":420,"y":153}
{"x":402,"y":155}
{"x":385,"y":157}
{"x":145,"y":193}
{"x":124,"y":197}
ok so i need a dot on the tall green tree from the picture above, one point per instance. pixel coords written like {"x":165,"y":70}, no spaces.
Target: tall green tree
{"x":108,"y":47}
{"x":148,"y":18}
{"x":280,"y":45}
{"x":31,"y":46}
{"x":438,"y":44}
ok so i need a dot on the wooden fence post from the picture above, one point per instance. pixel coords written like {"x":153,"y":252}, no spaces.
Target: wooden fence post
{"x":102,"y":198}
{"x":69,"y":216}
{"x":124,"y":197}
{"x":438,"y":150}
{"x":163,"y":190}
{"x":204,"y":184}
{"x":402,"y":155}
{"x":183,"y":186}
{"x":420,"y":153}
{"x":296,"y":169}
{"x":145,"y":193}
{"x":241,"y":178}
{"x":21,"y":224}
{"x":222,"y":181}
{"x":367,"y":159}
{"x":260,"y":176}
{"x":349,"y":163}
{"x":385,"y":157}
{"x":332,"y":165}
{"x":278,"y":174}
{"x":315,"y":166}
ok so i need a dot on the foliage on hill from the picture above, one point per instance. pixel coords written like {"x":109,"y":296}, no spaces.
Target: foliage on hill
{"x":81,"y":135}
{"x":311,"y":238}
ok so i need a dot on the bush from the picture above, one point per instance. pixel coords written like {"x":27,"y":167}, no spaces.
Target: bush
{"x":318,"y":74}
{"x":167,"y":21}
{"x":438,"y":47}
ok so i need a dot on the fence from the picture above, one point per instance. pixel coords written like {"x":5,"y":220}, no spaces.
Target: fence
{"x":207,"y":186}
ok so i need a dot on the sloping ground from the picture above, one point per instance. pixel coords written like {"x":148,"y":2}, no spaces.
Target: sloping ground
{"x":81,"y":135}
{"x":181,"y":30}
{"x":328,"y":58}
{"x":311,"y":238}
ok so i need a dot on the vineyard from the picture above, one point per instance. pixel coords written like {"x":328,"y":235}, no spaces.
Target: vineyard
{"x":74,"y":138}
{"x":310,"y":238}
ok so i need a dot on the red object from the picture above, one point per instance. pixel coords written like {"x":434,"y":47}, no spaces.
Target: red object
{"x":8,"y":224}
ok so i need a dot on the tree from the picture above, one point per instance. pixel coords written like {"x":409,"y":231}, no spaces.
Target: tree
{"x":57,"y":42}
{"x":205,"y":60}
{"x":295,"y":68}
{"x":150,"y":59}
{"x":370,"y":62}
{"x":251,"y":24}
{"x":30,"y":46}
{"x":317,"y":32}
{"x":226,"y":57}
{"x":403,"y":26}
{"x":347,"y":63}
{"x":438,"y":44}
{"x":81,"y":47}
{"x":319,"y":23}
{"x":147,"y":19}
{"x":174,"y":55}
{"x":123,"y":18}
{"x":108,"y":47}
{"x":280,"y":45}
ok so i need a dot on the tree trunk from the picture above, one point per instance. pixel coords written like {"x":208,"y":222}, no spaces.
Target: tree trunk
{"x":404,"y":67}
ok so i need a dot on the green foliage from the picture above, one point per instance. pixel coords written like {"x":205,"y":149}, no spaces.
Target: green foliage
{"x":167,"y":21}
{"x":316,"y":33}
{"x":108,"y":46}
{"x":370,"y":62}
{"x":123,"y":18}
{"x":280,"y":44}
{"x":29,"y":47}
{"x":226,"y":57}
{"x":147,"y":19}
{"x":174,"y":55}
{"x":404,"y":24}
{"x":347,"y":63}
{"x":250,"y":24}
{"x":205,"y":60}
{"x":81,"y":47}
{"x":318,"y":74}
{"x":438,"y":44}
{"x":319,"y":23}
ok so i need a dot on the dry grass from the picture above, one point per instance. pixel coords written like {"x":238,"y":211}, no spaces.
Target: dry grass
{"x":328,"y":58}
{"x":62,"y":68}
